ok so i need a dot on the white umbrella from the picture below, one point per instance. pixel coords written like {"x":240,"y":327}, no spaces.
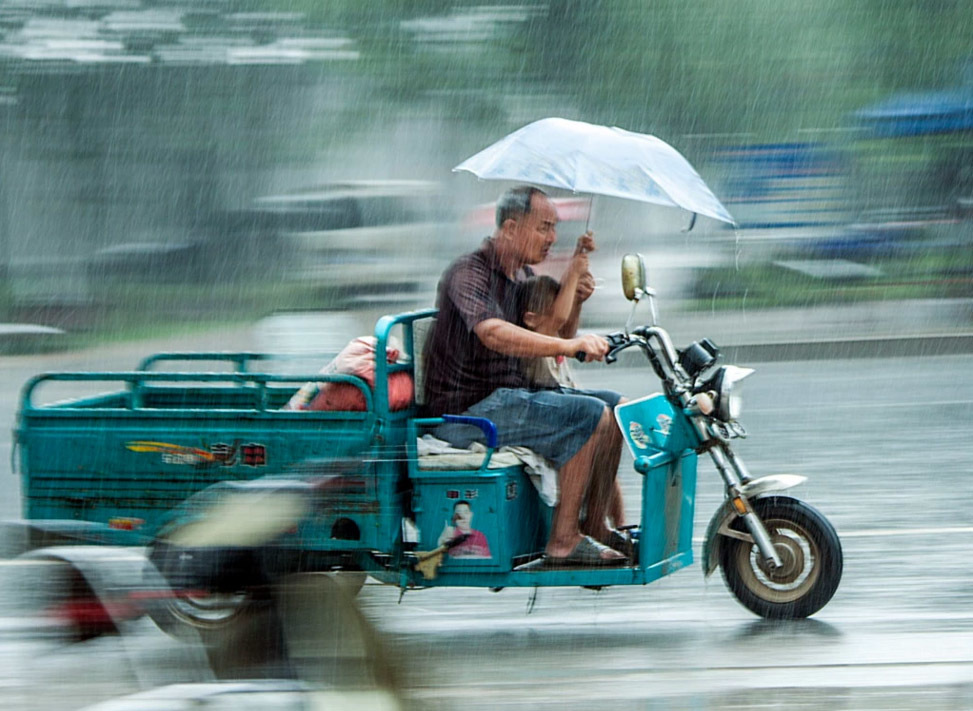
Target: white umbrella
{"x":599,"y":160}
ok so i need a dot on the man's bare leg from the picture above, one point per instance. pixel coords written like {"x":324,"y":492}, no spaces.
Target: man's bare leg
{"x":575,"y":479}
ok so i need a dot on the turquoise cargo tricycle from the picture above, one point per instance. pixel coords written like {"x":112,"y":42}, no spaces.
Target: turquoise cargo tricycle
{"x":229,"y":492}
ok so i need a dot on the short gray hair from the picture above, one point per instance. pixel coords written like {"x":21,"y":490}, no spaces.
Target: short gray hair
{"x":515,"y":202}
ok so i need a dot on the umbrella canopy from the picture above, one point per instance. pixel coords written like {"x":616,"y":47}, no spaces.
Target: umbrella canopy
{"x":599,"y":160}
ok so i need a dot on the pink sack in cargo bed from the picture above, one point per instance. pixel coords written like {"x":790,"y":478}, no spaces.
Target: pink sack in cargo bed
{"x":357,"y":358}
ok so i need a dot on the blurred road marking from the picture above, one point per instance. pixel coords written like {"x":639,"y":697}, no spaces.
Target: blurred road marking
{"x":891,"y":532}
{"x":879,"y":532}
{"x":871,"y":405}
{"x":912,"y":682}
{"x":18,"y":562}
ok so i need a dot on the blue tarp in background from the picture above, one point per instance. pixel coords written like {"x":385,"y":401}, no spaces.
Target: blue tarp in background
{"x":918,"y":114}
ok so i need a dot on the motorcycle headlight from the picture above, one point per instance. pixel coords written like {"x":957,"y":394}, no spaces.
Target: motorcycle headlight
{"x":724,"y":385}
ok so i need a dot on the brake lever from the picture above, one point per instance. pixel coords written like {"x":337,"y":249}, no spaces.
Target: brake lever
{"x":612,"y":355}
{"x":618,"y":341}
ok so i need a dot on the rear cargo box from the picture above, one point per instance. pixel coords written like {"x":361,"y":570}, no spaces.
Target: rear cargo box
{"x":497,"y":508}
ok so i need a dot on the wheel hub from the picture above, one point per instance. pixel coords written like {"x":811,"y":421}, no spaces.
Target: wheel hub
{"x":791,"y":558}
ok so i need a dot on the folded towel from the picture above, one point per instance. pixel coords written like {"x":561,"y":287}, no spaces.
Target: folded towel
{"x":435,"y":453}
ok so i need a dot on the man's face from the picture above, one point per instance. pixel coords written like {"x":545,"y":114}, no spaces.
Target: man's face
{"x":535,"y":233}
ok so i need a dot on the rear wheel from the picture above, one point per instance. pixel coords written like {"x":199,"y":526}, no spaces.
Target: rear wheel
{"x":811,"y":558}
{"x":192,"y":609}
{"x":212,"y":608}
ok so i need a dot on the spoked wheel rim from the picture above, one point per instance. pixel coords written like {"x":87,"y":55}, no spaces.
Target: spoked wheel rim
{"x":800,"y":556}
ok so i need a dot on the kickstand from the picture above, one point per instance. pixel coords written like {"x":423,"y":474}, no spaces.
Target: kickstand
{"x":401,"y":594}
{"x":532,"y":600}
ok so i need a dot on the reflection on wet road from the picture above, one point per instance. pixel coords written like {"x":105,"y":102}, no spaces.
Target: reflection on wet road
{"x":886,"y":449}
{"x":686,"y":642}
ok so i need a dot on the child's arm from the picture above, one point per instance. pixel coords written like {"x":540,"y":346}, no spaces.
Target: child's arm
{"x":567,"y":305}
{"x":564,"y":302}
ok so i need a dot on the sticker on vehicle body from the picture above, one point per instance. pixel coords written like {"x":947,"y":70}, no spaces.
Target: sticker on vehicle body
{"x":220,"y":454}
{"x":637,"y":435}
{"x":664,"y":422}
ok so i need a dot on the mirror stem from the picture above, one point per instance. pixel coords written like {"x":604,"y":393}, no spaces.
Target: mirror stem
{"x":631,"y":316}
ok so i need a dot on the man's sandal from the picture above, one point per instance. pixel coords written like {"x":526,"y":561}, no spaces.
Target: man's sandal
{"x":589,"y":553}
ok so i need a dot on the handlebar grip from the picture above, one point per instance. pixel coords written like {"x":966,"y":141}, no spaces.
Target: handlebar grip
{"x":581,"y":356}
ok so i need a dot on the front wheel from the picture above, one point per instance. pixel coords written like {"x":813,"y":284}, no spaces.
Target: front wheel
{"x":809,"y":550}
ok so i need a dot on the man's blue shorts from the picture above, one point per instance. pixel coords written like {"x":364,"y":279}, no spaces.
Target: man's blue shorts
{"x":553,"y":423}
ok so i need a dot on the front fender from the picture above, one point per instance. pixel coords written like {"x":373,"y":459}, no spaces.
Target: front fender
{"x":726,"y":513}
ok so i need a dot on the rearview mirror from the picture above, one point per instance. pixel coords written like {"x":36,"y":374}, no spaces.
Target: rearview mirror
{"x":634,"y":277}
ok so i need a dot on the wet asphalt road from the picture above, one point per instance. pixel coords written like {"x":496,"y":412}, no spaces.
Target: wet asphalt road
{"x":886,"y":448}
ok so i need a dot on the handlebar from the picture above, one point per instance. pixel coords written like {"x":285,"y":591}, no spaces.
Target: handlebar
{"x":619,"y":341}
{"x":616,"y":341}
{"x":663,"y":358}
{"x":668,"y":350}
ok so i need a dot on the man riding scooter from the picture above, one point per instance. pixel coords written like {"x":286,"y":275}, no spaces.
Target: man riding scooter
{"x":474,"y":366}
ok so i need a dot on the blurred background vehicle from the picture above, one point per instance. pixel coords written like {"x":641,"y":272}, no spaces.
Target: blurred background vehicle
{"x":360,"y":240}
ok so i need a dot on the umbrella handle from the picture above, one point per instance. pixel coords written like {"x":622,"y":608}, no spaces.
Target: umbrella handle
{"x":692,"y":223}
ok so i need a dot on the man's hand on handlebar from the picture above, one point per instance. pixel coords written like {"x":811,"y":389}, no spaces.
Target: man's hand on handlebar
{"x":587,"y":347}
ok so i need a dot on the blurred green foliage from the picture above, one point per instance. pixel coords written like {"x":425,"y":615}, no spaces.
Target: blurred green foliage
{"x":763,"y":67}
{"x":751,"y":66}
{"x":704,"y":72}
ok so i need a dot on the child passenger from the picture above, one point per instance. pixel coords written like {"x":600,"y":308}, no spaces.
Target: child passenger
{"x":541,"y":311}
{"x":544,"y":306}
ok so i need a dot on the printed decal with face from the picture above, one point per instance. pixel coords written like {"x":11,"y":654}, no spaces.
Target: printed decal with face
{"x":460,"y":538}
